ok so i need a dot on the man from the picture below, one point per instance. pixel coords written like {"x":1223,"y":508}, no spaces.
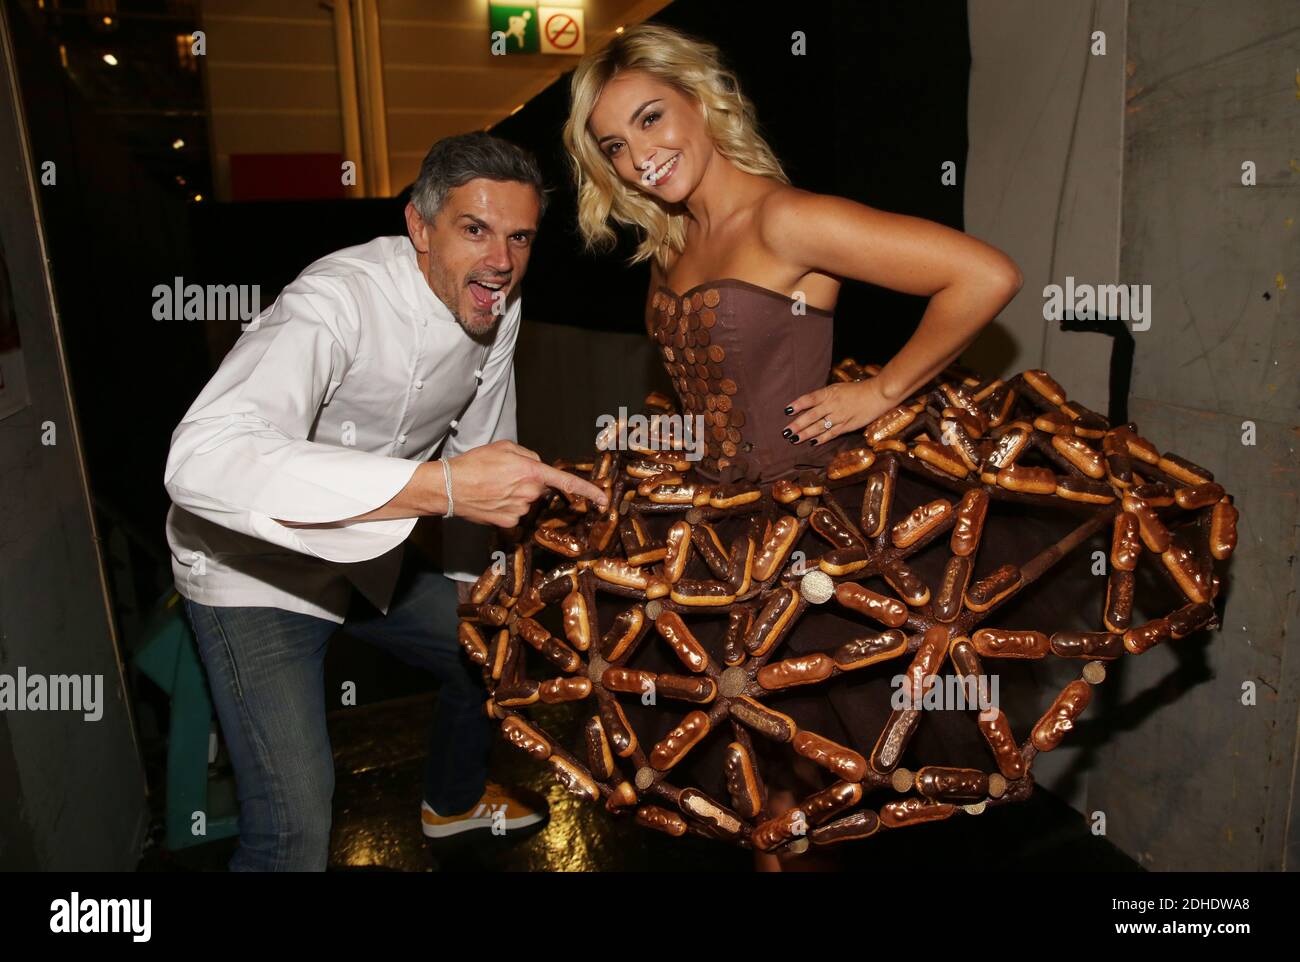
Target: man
{"x":301,"y":468}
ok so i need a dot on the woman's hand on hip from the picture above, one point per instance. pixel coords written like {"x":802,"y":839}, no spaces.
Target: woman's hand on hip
{"x":848,"y":405}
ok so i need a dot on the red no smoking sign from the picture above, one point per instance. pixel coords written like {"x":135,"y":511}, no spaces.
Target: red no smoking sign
{"x":562,"y":30}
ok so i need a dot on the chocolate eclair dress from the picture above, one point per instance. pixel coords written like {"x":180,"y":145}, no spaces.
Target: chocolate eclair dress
{"x":758,"y":617}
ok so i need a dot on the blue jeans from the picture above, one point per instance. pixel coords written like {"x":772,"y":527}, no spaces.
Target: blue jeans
{"x":265,"y":668}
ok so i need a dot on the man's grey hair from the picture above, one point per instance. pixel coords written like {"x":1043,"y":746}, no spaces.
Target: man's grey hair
{"x":455,"y":161}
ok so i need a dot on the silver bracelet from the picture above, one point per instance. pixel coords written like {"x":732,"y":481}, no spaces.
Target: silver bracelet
{"x":446,"y":474}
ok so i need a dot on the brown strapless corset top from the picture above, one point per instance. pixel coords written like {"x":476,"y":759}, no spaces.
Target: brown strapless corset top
{"x":738,"y":354}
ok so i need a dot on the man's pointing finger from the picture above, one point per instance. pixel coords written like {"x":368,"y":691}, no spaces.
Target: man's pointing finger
{"x":571,"y":484}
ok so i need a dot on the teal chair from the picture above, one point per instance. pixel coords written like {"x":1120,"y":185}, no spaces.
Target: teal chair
{"x":169,"y":658}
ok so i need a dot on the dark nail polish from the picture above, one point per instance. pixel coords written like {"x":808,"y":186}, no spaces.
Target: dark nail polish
{"x":794,"y":439}
{"x":790,"y":409}
{"x":813,"y":442}
{"x":786,"y":433}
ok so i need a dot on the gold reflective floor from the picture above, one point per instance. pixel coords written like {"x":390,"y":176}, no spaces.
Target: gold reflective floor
{"x":378,"y":756}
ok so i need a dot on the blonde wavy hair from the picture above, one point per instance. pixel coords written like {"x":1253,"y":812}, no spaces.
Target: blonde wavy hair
{"x":695,"y":68}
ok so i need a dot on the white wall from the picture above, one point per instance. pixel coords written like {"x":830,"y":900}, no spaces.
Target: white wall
{"x":1045,"y":122}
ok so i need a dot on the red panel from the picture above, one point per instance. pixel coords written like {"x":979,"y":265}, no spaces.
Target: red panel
{"x":286,"y":176}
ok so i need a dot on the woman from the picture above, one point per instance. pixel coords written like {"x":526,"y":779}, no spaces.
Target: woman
{"x":745,"y":271}
{"x":662,"y":139}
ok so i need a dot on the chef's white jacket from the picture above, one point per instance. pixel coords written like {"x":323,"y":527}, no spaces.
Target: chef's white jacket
{"x":322,"y":411}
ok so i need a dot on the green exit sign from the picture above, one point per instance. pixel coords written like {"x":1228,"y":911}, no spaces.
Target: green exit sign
{"x":514,"y":27}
